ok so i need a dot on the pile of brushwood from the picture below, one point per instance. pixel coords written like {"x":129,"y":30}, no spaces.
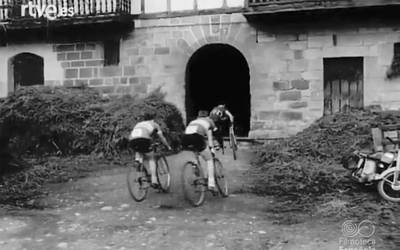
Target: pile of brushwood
{"x":41,"y":122}
{"x":309,"y":163}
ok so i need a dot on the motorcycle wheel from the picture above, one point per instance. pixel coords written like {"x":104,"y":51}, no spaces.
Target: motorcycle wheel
{"x":386,"y":190}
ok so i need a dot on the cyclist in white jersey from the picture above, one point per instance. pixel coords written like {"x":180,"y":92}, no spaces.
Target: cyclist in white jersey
{"x":199,"y":136}
{"x":141,"y":139}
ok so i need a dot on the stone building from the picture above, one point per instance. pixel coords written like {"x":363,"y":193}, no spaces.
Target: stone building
{"x":278,"y":65}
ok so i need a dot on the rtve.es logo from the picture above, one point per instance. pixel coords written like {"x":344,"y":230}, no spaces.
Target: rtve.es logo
{"x":50,"y":11}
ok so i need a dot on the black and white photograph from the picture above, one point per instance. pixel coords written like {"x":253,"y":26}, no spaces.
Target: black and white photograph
{"x":199,"y":124}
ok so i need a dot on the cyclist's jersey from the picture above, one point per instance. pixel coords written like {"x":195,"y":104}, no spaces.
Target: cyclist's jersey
{"x":145,"y":129}
{"x":200,"y":126}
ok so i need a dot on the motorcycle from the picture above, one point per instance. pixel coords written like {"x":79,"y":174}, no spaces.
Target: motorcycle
{"x":382,"y":168}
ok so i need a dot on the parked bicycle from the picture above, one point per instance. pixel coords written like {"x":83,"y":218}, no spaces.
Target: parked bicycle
{"x":139,"y":178}
{"x":195,"y":182}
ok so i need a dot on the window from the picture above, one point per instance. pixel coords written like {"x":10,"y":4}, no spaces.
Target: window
{"x":394,"y":70}
{"x":111,"y":52}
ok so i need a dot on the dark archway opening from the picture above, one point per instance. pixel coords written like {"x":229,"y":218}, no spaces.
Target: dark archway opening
{"x":27,"y":70}
{"x":219,"y":74}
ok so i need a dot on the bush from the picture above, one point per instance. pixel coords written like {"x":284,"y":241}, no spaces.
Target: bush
{"x":309,"y":162}
{"x":43,"y":120}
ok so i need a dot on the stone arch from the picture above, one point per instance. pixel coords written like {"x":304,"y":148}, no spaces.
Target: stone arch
{"x":25,"y":69}
{"x":219,"y":73}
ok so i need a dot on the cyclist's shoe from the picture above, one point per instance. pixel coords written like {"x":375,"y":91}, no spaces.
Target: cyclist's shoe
{"x":213,"y":190}
{"x":155,"y":185}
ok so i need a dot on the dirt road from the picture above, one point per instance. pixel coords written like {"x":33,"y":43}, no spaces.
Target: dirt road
{"x":98,"y":213}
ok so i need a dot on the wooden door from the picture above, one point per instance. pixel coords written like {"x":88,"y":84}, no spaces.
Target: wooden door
{"x":343,"y":84}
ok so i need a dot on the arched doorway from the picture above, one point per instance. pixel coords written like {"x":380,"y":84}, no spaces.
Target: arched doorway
{"x":27,"y":70}
{"x":219,"y":74}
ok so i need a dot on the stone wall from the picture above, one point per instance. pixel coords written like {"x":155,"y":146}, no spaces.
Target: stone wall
{"x":286,"y":64}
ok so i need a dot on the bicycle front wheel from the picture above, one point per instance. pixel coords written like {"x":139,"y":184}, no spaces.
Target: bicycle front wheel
{"x":193,"y":182}
{"x":138,"y":181}
{"x":221,"y":178}
{"x":163,"y":175}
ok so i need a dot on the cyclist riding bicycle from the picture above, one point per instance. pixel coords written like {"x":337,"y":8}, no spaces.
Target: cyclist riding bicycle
{"x":225,"y":120}
{"x":199,"y":136}
{"x":141,"y":139}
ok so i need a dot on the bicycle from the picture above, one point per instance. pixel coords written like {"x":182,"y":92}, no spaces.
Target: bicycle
{"x":233,"y":142}
{"x":195,"y":184}
{"x":139,"y":178}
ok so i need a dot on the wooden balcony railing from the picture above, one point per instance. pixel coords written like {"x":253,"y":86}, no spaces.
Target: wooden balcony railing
{"x":279,"y":5}
{"x":12,"y":10}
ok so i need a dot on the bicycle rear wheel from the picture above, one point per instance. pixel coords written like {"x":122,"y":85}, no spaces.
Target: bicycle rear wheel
{"x":138,"y":181}
{"x":233,"y":143}
{"x":221,"y":178}
{"x":163,"y":175}
{"x":193,"y":182}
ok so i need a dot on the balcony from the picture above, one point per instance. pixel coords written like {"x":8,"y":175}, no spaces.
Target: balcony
{"x":279,"y":6}
{"x":22,"y":14}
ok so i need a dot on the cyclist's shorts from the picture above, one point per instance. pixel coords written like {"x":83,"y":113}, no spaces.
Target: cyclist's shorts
{"x":193,"y":142}
{"x":141,"y":145}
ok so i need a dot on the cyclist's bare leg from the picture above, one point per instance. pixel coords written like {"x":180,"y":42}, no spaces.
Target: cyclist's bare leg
{"x":152,"y":166}
{"x":207,"y":156}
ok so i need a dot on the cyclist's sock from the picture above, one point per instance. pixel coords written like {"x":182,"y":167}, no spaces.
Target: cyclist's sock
{"x":210,"y":170}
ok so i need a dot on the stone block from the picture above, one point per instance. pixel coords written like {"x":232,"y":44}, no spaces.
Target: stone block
{"x":298,"y":65}
{"x":96,"y":82}
{"x":81,"y":83}
{"x":132,"y":51}
{"x":349,"y":40}
{"x":65,"y":47}
{"x":73,"y":56}
{"x":291,"y":115}
{"x":90,"y":46}
{"x":77,"y":64}
{"x":80,"y":46}
{"x":65,"y":64}
{"x":320,"y":41}
{"x":146,"y":51}
{"x":312,"y":54}
{"x":298,"y":54}
{"x":255,"y":125}
{"x":68,"y":83}
{"x":137,"y":60}
{"x":140,"y":88}
{"x":268,"y":115}
{"x":315,"y":64}
{"x":129,"y":70}
{"x":61,"y":56}
{"x":71,"y":73}
{"x":297,"y":105}
{"x":145,"y":80}
{"x":94,"y":63}
{"x":111,"y":71}
{"x":298,"y":45}
{"x":161,"y":51}
{"x":282,"y":85}
{"x":87,"y":55}
{"x":313,"y":75}
{"x":133,"y":80}
{"x":85,"y":73}
{"x":300,"y":84}
{"x":290,"y":96}
{"x":124,"y":80}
